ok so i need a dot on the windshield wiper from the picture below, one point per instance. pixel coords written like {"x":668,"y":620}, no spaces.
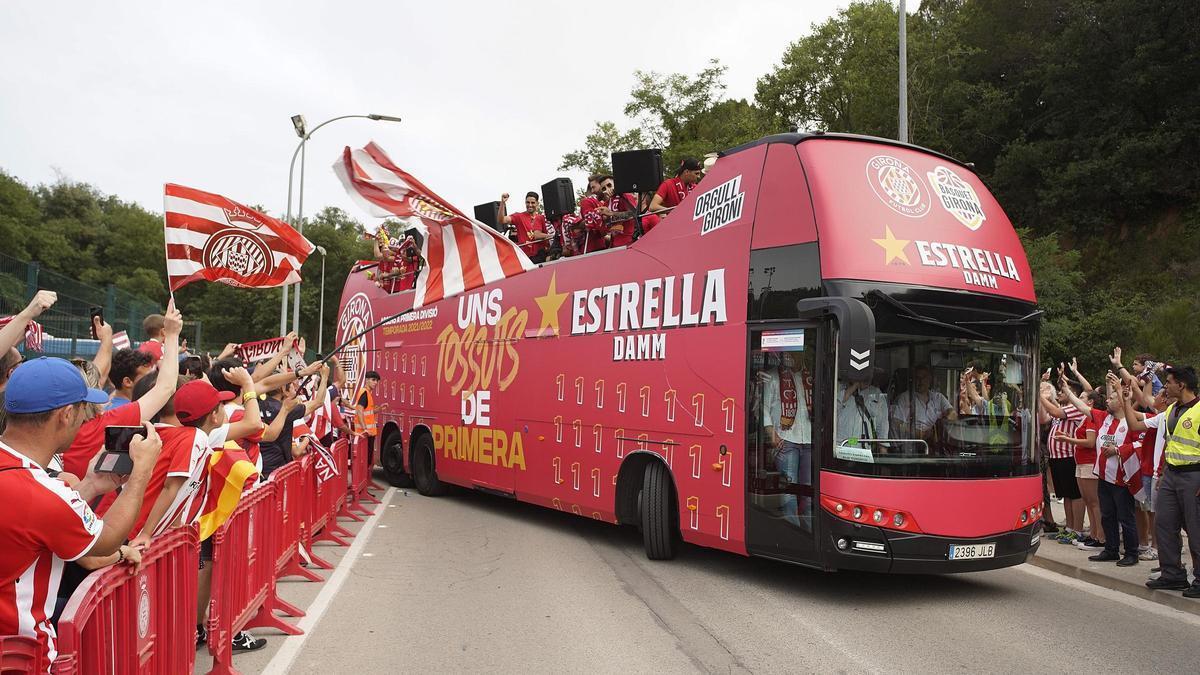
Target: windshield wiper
{"x":908,"y":313}
{"x":1011,"y":321}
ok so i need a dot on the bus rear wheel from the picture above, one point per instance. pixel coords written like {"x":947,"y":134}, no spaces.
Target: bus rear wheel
{"x":660,"y":516}
{"x":391,"y":456}
{"x":424,"y":474}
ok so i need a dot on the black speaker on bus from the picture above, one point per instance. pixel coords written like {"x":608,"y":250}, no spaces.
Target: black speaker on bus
{"x":637,"y":170}
{"x":488,"y":213}
{"x":558,"y":198}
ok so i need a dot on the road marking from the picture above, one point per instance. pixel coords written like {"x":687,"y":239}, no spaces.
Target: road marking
{"x":1109,"y":594}
{"x":282,"y":661}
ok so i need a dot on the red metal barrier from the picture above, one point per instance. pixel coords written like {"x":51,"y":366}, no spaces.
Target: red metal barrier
{"x":243,"y":583}
{"x":120,"y":623}
{"x":314,"y":517}
{"x":20,"y":654}
{"x":330,"y":498}
{"x":360,"y":480}
{"x":292,"y":502}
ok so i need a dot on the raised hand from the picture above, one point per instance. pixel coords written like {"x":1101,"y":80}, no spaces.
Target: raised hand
{"x":172,"y":321}
{"x":42,"y":301}
{"x":1115,"y":358}
{"x":239,"y":376}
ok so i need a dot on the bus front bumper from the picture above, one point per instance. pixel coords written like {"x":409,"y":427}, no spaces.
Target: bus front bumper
{"x":857,"y":546}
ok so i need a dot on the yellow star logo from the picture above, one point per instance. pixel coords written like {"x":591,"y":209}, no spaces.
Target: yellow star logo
{"x":893,"y":247}
{"x":550,"y":304}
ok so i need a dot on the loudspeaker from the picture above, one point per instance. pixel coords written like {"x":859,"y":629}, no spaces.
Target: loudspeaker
{"x":558,"y":198}
{"x":489,"y":214}
{"x":637,"y":170}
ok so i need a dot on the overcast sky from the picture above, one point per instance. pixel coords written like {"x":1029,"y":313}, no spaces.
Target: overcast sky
{"x":130,"y":95}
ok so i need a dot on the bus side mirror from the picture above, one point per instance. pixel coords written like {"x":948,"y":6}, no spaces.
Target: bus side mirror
{"x":856,"y":333}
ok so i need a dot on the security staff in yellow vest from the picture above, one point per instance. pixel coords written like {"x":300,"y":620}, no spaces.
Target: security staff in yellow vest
{"x":364,"y":413}
{"x":1178,"y":501}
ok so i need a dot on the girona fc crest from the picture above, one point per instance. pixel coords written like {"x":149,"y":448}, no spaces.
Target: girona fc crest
{"x":898,"y":186}
{"x":354,"y":319}
{"x":240,"y":252}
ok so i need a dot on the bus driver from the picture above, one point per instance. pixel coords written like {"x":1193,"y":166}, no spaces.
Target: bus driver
{"x":915,"y":413}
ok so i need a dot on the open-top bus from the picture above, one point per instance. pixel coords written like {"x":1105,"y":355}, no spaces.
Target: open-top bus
{"x":779,"y":368}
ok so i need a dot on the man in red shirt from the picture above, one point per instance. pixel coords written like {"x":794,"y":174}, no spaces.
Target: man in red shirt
{"x":673,"y":190}
{"x":533,"y":234}
{"x":618,"y":211}
{"x":44,"y":523}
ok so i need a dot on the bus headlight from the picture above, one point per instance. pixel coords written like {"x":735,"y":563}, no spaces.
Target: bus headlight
{"x":857,"y":512}
{"x":877,"y":516}
{"x":898,"y":520}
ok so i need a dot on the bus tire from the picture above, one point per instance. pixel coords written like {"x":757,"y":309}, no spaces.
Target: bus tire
{"x":391,"y":457}
{"x":424,"y":473}
{"x":660,"y":517}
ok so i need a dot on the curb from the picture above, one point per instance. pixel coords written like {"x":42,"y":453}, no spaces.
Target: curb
{"x":1170,"y":599}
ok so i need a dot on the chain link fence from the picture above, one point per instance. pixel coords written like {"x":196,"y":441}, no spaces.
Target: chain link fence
{"x":67,"y":325}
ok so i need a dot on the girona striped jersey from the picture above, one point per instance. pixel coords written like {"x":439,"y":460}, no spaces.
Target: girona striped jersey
{"x":43,"y":524}
{"x":1124,"y":468}
{"x":1066,"y":426}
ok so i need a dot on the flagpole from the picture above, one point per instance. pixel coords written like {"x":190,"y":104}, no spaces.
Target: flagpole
{"x":305,"y":134}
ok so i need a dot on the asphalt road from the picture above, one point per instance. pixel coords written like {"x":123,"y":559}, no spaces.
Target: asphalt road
{"x":475,"y":583}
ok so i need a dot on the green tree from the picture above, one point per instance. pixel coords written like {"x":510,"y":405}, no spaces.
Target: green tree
{"x":598,"y":146}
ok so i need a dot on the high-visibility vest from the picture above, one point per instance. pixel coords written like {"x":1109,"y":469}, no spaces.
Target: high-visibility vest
{"x":1183,"y":446}
{"x":364,"y":422}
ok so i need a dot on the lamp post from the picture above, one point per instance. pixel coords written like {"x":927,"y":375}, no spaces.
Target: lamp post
{"x":304,"y":133}
{"x":903,"y":126}
{"x":321,"y":315}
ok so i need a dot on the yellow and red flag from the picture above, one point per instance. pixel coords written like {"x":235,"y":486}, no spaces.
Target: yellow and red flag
{"x":229,"y":472}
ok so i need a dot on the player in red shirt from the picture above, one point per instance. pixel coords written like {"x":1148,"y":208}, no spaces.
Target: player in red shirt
{"x":533,"y":234}
{"x":673,"y":190}
{"x":44,"y":523}
{"x":618,"y":211}
{"x":589,"y":213}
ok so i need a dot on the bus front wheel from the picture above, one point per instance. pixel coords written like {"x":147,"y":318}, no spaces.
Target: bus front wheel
{"x":424,"y":474}
{"x":660,"y":517}
{"x":391,"y":456}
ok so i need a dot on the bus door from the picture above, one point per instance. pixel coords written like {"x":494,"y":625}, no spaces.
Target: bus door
{"x":784,"y":400}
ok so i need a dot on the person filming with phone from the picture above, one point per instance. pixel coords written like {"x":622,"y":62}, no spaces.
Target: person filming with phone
{"x":45,"y":523}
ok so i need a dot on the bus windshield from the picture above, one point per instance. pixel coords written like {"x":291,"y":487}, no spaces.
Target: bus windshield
{"x":940,"y":407}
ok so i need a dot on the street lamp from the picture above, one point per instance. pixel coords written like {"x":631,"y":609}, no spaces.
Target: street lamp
{"x":321,"y":316}
{"x":304,"y":133}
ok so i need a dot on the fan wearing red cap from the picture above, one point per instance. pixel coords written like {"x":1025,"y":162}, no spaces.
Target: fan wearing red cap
{"x":45,"y":523}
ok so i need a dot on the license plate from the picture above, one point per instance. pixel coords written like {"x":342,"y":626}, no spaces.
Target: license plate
{"x":972,"y":551}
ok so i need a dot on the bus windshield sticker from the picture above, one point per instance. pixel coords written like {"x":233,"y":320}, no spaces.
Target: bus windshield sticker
{"x":720,"y":206}
{"x":852,"y":453}
{"x":783,"y":340}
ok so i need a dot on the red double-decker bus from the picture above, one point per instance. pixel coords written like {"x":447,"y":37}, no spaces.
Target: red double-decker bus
{"x":827,"y":354}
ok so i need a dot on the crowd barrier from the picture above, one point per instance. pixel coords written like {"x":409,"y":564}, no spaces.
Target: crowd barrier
{"x":328,"y":499}
{"x":20,"y":654}
{"x":243,"y":583}
{"x":118,"y":623}
{"x":360,"y":480}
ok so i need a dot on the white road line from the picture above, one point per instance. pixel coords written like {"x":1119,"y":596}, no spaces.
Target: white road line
{"x":282,"y":661}
{"x":1109,"y":594}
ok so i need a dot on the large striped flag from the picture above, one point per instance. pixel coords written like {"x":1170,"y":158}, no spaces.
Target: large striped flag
{"x":211,"y":238}
{"x":460,"y":253}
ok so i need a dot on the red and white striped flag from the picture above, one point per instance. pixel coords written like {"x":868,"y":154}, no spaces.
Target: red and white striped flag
{"x":460,"y":253}
{"x":33,"y":333}
{"x":211,"y":238}
{"x":121,"y":340}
